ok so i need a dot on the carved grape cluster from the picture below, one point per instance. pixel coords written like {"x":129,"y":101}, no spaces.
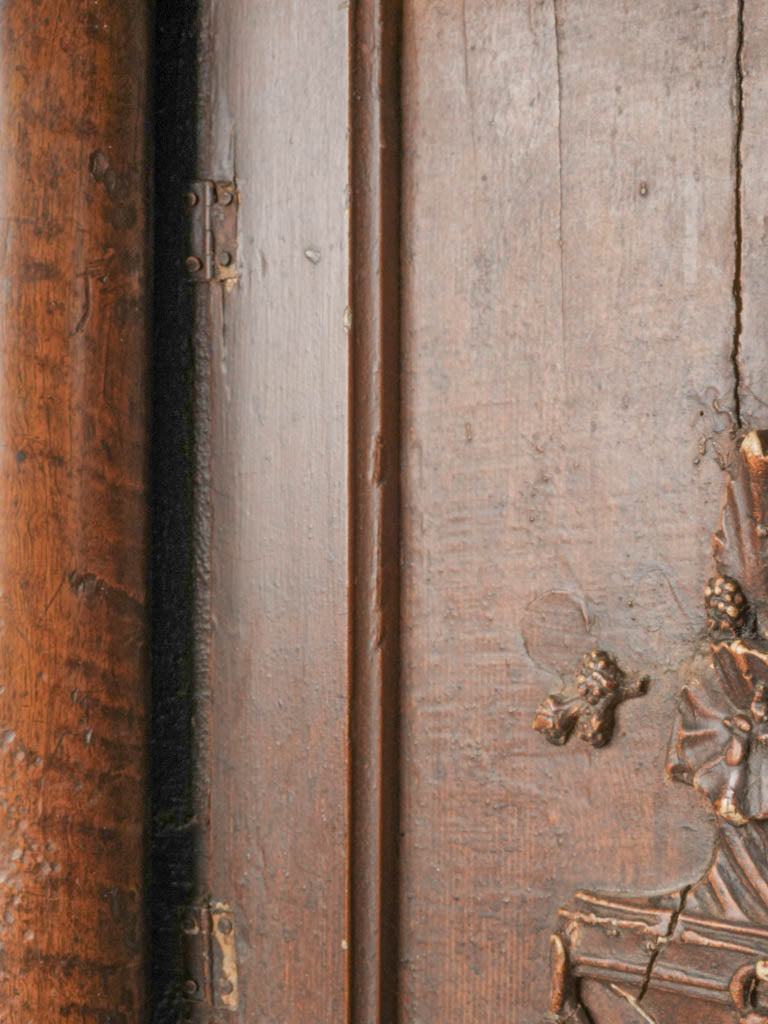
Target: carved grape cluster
{"x":597,"y":676}
{"x":726,"y":606}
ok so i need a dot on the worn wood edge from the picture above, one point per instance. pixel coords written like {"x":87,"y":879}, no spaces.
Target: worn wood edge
{"x":374,"y":790}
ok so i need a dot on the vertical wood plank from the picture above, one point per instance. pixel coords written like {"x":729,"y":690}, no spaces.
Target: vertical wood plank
{"x":279,"y":485}
{"x":568,"y":394}
{"x":72,"y":507}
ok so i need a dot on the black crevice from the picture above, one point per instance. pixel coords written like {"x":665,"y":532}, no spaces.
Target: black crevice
{"x":173,"y":828}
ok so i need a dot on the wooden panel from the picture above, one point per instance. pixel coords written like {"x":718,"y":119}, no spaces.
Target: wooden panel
{"x":279,"y":539}
{"x":569,"y":319}
{"x":72,"y":505}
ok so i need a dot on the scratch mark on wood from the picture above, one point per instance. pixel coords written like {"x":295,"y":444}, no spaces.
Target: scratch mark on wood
{"x":633,"y":1003}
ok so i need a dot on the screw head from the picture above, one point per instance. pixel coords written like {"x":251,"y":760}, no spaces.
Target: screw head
{"x":225,"y":258}
{"x":226,"y":987}
{"x":224,"y":197}
{"x":225,"y":925}
{"x":190,"y":986}
{"x":193,"y":264}
{"x":191,"y":198}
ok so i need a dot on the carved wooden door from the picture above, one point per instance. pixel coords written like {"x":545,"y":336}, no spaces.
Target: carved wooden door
{"x":491,"y":363}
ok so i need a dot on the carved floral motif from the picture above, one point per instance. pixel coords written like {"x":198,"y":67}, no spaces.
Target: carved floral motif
{"x":591,"y":712}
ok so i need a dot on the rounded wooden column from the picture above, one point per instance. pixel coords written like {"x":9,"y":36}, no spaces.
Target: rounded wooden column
{"x":72,"y":509}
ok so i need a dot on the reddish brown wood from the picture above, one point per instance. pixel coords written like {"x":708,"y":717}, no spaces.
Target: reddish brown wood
{"x":72,"y":507}
{"x":375,"y":509}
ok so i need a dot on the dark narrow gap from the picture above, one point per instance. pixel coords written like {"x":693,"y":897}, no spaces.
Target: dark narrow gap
{"x":172,"y":830}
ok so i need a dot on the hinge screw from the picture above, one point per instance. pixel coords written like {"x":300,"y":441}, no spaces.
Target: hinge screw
{"x":224,"y":196}
{"x":225,"y":925}
{"x":191,"y":198}
{"x":226,"y":987}
{"x":190,"y":986}
{"x":225,"y":258}
{"x":193,"y":264}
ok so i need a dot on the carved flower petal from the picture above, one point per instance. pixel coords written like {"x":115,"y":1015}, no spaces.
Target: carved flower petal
{"x":701,"y":737}
{"x":703,"y":756}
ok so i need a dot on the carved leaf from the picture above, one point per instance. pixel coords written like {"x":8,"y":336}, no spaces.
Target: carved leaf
{"x":740,"y":546}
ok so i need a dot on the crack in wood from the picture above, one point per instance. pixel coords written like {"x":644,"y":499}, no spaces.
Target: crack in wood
{"x":662,"y":943}
{"x":561,"y":245}
{"x":738,"y":298}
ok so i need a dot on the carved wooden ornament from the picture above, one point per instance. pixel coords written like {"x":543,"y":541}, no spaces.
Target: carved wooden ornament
{"x":600,"y":687}
{"x":699,"y":953}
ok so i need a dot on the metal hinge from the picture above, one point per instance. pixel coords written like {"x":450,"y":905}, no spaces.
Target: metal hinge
{"x":212,"y":231}
{"x":209,"y":964}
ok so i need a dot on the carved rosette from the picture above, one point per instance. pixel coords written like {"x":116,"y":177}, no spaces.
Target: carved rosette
{"x":721,"y":742}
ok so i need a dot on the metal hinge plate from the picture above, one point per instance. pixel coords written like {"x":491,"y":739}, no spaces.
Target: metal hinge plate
{"x":212,"y":231}
{"x":209,"y":963}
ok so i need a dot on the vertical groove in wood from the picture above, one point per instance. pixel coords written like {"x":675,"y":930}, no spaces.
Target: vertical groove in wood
{"x":73,"y":262}
{"x":375,"y":509}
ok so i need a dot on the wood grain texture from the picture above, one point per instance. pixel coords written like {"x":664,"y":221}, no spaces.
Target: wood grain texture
{"x":569,"y":262}
{"x":277,"y":88}
{"x":375,"y":510}
{"x":72,"y":504}
{"x":753,"y":158}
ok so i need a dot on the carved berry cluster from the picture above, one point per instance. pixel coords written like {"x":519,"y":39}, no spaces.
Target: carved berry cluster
{"x":727,"y":608}
{"x":597,"y":676}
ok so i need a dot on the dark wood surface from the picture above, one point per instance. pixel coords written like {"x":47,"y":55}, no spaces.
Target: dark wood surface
{"x":72,"y":503}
